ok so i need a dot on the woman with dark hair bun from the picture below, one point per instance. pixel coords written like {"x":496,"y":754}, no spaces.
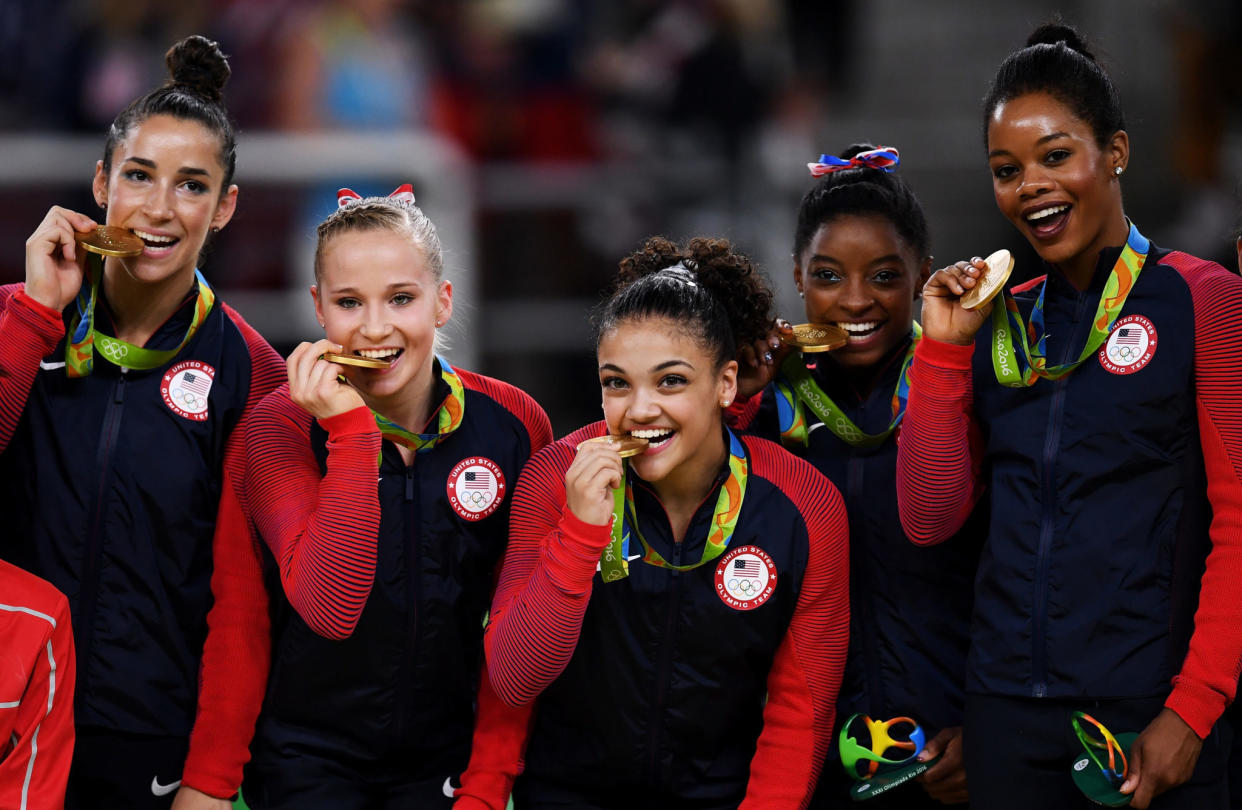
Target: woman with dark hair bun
{"x":123,"y":400}
{"x":680,"y":616}
{"x":1097,"y":407}
{"x":861,"y":256}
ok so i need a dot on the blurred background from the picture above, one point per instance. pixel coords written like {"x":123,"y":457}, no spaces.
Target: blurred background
{"x":548,"y":138}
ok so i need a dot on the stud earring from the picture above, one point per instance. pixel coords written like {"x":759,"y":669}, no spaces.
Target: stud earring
{"x":724,"y":403}
{"x":323,"y":324}
{"x":1117,"y":171}
{"x":801,"y":294}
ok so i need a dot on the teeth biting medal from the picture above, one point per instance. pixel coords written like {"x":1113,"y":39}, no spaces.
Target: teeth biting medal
{"x":816,"y":337}
{"x":626,"y":445}
{"x":356,"y":360}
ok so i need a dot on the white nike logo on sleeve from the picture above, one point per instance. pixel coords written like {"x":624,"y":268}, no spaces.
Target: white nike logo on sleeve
{"x":163,"y":790}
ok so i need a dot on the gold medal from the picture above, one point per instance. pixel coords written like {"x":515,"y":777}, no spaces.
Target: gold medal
{"x":109,"y":240}
{"x":356,"y":360}
{"x":990,"y":284}
{"x":625,"y":446}
{"x":816,"y":337}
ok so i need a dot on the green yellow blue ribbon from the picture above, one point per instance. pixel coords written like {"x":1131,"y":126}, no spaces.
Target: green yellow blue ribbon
{"x":448,"y":417}
{"x":1020,"y":366}
{"x":796,"y":390}
{"x":84,"y":338}
{"x":613,"y":563}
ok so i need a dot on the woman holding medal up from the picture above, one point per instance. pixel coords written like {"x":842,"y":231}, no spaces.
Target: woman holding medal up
{"x":123,"y":396}
{"x":651,"y":604}
{"x":385,"y":540}
{"x":1097,"y":407}
{"x":860,"y":260}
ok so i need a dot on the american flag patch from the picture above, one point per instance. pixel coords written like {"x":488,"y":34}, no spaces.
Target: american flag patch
{"x":196,"y":383}
{"x":747,"y":567}
{"x":1129,"y":336}
{"x":477,"y":479}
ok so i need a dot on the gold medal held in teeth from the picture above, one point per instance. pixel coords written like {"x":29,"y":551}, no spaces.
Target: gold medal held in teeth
{"x":626,"y":446}
{"x":816,"y":337}
{"x":990,"y":284}
{"x":109,"y":240}
{"x":356,"y":360}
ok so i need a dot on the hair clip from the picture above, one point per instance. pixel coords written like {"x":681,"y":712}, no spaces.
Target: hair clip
{"x":884,"y":158}
{"x":403,"y":193}
{"x":680,"y":272}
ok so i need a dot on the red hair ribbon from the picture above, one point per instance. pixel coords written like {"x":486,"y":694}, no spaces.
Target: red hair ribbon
{"x":403,"y":193}
{"x":882,"y":157}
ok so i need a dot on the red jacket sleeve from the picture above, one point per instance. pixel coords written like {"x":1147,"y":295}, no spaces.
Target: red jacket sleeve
{"x":1209,"y":676}
{"x":938,"y":447}
{"x":38,"y":745}
{"x":322,"y":530}
{"x":31,"y":331}
{"x":237,"y":650}
{"x":806,"y":673}
{"x":545,"y":584}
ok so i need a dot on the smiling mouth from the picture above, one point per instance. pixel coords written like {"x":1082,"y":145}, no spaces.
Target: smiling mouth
{"x":155,"y":241}
{"x":1047,"y":221}
{"x":379,"y":354}
{"x":654,"y":436}
{"x":859,"y":331}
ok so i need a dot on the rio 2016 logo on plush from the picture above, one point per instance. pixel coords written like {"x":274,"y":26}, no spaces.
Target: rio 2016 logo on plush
{"x":476,"y":486}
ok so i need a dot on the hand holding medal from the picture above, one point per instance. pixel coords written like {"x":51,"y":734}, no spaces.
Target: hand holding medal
{"x":596,"y":473}
{"x":315,"y":383}
{"x":1103,"y":769}
{"x":54,"y":262}
{"x":956,"y":298}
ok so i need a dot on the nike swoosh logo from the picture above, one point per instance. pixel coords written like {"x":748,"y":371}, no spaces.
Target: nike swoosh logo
{"x":448,"y":787}
{"x":163,"y":790}
{"x":630,"y":558}
{"x":46,"y":366}
{"x":814,"y":428}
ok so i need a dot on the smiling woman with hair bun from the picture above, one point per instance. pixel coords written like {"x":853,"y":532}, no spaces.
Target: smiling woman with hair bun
{"x":1097,"y":406}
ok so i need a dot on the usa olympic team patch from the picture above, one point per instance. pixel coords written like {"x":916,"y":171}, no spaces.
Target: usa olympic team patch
{"x":186,"y":387}
{"x":1130,"y":345}
{"x":476,"y":486}
{"x":745,"y":578}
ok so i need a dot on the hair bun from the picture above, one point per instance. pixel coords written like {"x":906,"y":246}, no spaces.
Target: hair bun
{"x":1054,"y":33}
{"x":197,"y":64}
{"x":854,"y":150}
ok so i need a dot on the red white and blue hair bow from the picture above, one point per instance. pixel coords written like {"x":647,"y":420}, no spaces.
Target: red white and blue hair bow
{"x":403,"y":193}
{"x":882,"y":157}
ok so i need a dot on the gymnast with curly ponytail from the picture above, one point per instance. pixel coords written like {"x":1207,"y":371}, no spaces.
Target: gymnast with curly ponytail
{"x":664,"y":574}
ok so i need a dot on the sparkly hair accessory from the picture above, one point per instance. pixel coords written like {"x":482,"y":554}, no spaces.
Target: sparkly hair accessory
{"x":403,"y":193}
{"x":885,"y":158}
{"x":680,"y":272}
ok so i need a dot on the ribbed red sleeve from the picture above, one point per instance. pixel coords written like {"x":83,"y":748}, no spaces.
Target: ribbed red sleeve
{"x":545,"y":583}
{"x":806,"y":673}
{"x":31,"y":331}
{"x":938,"y":447}
{"x":742,"y":412}
{"x":496,"y":751}
{"x":236,"y":651}
{"x":37,"y":743}
{"x":322,"y":530}
{"x":1209,"y":675}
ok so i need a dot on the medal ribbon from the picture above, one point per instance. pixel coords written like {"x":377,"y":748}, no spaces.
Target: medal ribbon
{"x":84,"y":337}
{"x":448,"y":418}
{"x":613,"y":564}
{"x":1020,"y":366}
{"x":795,"y":387}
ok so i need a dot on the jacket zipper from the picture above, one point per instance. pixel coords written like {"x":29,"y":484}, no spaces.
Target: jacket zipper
{"x":871,"y":655}
{"x":1052,"y":441}
{"x":662,"y":672}
{"x":92,"y":551}
{"x":409,"y":653}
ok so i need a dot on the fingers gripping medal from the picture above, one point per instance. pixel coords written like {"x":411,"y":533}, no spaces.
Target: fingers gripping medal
{"x":1100,"y":773}
{"x":887,"y":760}
{"x":990,"y":284}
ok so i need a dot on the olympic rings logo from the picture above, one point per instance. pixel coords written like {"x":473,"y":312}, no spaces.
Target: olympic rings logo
{"x":745,"y":586}
{"x":477,"y":498}
{"x":848,"y":431}
{"x":1124,"y":354}
{"x":113,"y":349}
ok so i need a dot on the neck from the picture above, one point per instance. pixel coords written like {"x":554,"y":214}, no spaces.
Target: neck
{"x":864,"y":378}
{"x":411,"y":406}
{"x":1080,"y":270}
{"x":683,"y":489}
{"x":139,"y":308}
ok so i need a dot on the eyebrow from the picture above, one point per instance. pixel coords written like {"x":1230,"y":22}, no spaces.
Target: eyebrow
{"x":1051,"y":137}
{"x":892,"y":257}
{"x":660,"y":367}
{"x":150,"y":164}
{"x":401,"y":285}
